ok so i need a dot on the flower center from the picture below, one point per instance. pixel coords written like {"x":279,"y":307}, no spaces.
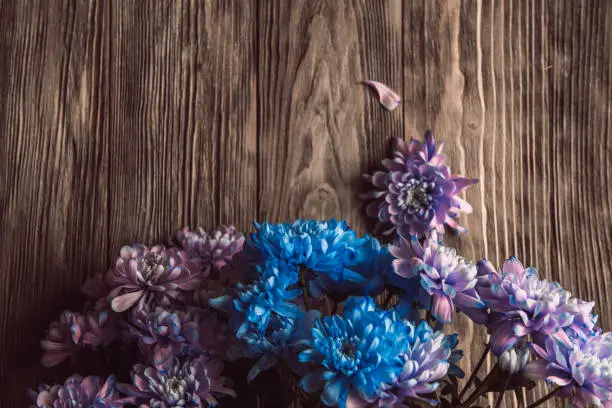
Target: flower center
{"x":348,"y":350}
{"x":149,"y":265}
{"x":175,"y":387}
{"x":346,"y":356}
{"x":414,"y":195}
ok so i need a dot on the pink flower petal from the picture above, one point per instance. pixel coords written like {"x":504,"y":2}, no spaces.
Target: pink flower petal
{"x":442,"y":308}
{"x":388,"y":98}
{"x":124,"y":302}
{"x":50,"y":359}
{"x":536,"y":370}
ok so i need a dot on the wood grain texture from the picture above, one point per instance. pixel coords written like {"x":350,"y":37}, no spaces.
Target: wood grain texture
{"x":122,"y":121}
{"x":520,"y":93}
{"x":319,"y":127}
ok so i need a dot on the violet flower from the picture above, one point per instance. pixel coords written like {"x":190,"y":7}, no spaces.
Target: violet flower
{"x":75,"y":331}
{"x":80,"y":392}
{"x":416,"y":192}
{"x":164,"y":333}
{"x":194,"y":383}
{"x":583,"y":370}
{"x":447,"y":280}
{"x":216,"y":249}
{"x":153,"y":276}
{"x":521,"y":303}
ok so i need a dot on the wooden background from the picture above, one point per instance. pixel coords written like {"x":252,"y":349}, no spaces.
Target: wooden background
{"x":122,"y":121}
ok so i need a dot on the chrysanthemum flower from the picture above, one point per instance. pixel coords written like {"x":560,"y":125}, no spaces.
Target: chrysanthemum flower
{"x":584,"y":370}
{"x":416,"y":192}
{"x":216,"y":249}
{"x":328,"y":248}
{"x":521,"y":303}
{"x":152,"y":276}
{"x":374,"y":266}
{"x":447,"y":280}
{"x":81,"y":392}
{"x":425,"y":359}
{"x":194,"y":383}
{"x":356,"y":353}
{"x":515,"y":358}
{"x":263,"y":313}
{"x":75,"y":331}
{"x":163,"y":333}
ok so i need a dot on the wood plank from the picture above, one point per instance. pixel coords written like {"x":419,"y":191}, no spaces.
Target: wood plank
{"x":183,"y":118}
{"x":127,"y":120}
{"x":124,"y":121}
{"x":54,"y":156}
{"x":520,"y":92}
{"x":319,"y":128}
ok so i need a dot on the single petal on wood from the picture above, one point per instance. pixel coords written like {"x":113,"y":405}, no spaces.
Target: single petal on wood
{"x":388,"y":98}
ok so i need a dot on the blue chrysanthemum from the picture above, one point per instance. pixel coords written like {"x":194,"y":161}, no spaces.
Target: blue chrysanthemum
{"x":426,"y":357}
{"x":263,"y":314}
{"x":356,"y":353}
{"x":328,"y":250}
{"x":374,"y":265}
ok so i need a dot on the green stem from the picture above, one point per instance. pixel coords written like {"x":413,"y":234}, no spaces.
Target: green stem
{"x":475,"y":371}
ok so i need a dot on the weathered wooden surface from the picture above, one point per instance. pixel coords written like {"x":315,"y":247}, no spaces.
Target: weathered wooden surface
{"x":122,"y":121}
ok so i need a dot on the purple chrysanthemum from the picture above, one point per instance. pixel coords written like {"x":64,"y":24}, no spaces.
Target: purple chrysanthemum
{"x":190,"y":384}
{"x":81,"y":392}
{"x":75,"y":331}
{"x":152,"y":276}
{"x":218,"y":251}
{"x":216,"y":248}
{"x":447,"y":280}
{"x":521,"y":303}
{"x":584,"y":370}
{"x":416,"y":192}
{"x":164,"y":333}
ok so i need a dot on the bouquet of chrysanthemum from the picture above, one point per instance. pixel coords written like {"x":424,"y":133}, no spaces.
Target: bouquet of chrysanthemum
{"x":344,"y":320}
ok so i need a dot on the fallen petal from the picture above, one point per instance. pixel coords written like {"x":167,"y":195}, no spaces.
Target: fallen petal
{"x":388,"y":98}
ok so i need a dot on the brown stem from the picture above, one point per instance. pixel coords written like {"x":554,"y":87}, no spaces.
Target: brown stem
{"x":545,"y":398}
{"x":304,"y":286}
{"x":388,"y":300}
{"x":475,"y":371}
{"x":431,"y":320}
{"x":500,"y":397}
{"x":336,"y":308}
{"x":481,"y":389}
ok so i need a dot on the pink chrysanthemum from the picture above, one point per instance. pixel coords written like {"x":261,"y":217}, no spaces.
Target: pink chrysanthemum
{"x":190,"y":384}
{"x":164,"y":333}
{"x":216,"y":248}
{"x":218,"y":251}
{"x":416,"y":192}
{"x":522,"y":304}
{"x":75,"y":331}
{"x":446,"y":279}
{"x":78,"y":391}
{"x":153,"y":276}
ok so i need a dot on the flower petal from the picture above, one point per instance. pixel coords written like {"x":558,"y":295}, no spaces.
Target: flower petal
{"x":387,"y":97}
